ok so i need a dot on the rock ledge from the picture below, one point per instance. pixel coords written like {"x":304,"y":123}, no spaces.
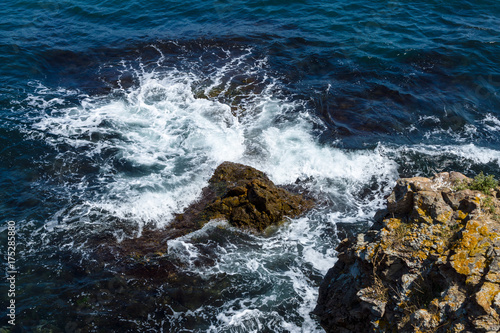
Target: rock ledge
{"x":430,"y":264}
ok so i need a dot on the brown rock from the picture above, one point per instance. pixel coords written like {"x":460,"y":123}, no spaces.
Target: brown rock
{"x":401,"y":198}
{"x":245,"y":197}
{"x":238,"y":193}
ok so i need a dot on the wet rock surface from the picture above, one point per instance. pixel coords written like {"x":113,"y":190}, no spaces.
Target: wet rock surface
{"x":431,"y":263}
{"x":158,"y":262}
{"x":245,"y":197}
{"x":240,"y":194}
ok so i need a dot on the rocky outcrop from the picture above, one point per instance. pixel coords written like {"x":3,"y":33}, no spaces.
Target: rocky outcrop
{"x":240,"y":194}
{"x":245,"y":197}
{"x":431,"y":263}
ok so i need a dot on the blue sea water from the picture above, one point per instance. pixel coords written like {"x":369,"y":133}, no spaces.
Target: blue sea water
{"x":115,"y":114}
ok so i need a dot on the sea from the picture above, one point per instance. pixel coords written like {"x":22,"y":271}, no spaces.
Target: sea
{"x":114,"y":115}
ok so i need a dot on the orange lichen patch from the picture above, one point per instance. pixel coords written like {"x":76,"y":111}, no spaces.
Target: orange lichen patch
{"x":360,"y":248}
{"x":392,"y":223}
{"x":421,"y":255}
{"x":461,"y":215}
{"x":486,"y":295}
{"x":428,"y":243}
{"x":476,"y":238}
{"x":485,"y":230}
{"x":444,"y":217}
{"x":493,"y":277}
{"x":435,"y":319}
{"x":473,"y":280}
{"x":477,"y":199}
{"x":458,"y":327}
{"x":423,"y":215}
{"x":467,"y":265}
{"x":434,"y":245}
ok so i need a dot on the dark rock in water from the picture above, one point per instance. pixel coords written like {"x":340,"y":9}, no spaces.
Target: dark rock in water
{"x":238,"y":193}
{"x":245,"y":197}
{"x":431,"y":264}
{"x":241,"y":194}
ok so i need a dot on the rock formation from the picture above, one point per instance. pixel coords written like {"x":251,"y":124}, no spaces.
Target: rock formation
{"x":431,"y":263}
{"x":245,"y":197}
{"x":240,"y":194}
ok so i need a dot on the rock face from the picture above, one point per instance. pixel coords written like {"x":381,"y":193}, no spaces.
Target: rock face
{"x":245,"y":197}
{"x":430,"y":264}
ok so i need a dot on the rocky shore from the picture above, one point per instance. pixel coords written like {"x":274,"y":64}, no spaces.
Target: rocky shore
{"x":430,"y":263}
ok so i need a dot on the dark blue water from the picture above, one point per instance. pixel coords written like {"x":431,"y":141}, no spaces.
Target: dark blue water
{"x":115,"y":114}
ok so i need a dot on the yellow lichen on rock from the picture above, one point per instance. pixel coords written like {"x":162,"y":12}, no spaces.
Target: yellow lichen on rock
{"x":422,"y":214}
{"x":476,"y":238}
{"x":444,"y":217}
{"x":486,"y":295}
{"x":461,"y":215}
{"x":436,"y":256}
{"x":392,"y":223}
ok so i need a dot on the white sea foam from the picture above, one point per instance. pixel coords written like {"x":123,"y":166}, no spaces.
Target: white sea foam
{"x":433,"y":119}
{"x":466,"y":135}
{"x":169,"y":142}
{"x":491,"y":123}
{"x":284,"y":263}
{"x":159,"y":126}
{"x":465,"y":152}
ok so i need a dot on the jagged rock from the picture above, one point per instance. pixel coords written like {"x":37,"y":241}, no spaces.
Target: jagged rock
{"x":431,"y":264}
{"x":238,"y":193}
{"x":245,"y":197}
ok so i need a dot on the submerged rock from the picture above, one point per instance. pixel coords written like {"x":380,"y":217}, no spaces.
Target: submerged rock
{"x":430,"y":264}
{"x":245,"y":197}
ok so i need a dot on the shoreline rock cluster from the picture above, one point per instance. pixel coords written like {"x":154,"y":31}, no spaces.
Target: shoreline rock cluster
{"x":430,"y":263}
